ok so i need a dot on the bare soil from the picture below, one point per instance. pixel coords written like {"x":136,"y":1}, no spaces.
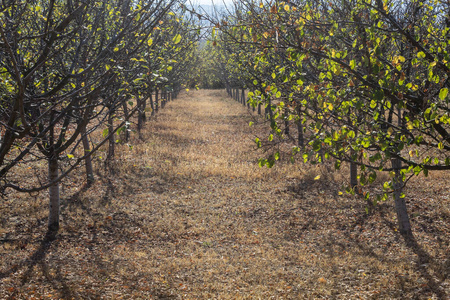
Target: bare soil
{"x":186,"y":213}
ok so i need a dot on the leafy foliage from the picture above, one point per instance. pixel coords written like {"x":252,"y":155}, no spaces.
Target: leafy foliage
{"x":367,"y":80}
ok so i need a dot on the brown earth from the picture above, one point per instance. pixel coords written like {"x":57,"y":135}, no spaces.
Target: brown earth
{"x":186,"y":213}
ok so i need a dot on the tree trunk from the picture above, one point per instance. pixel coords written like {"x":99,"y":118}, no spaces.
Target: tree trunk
{"x":353,"y":175}
{"x":140,"y":114}
{"x":245,"y":100}
{"x":156,"y":101}
{"x":286,"y":122}
{"x":112,"y":142}
{"x":404,"y":224}
{"x":152,"y":105}
{"x":165,"y":98}
{"x":88,"y":159}
{"x":125,"y":112}
{"x":144,"y":107}
{"x":300,"y":141}
{"x":53,"y":191}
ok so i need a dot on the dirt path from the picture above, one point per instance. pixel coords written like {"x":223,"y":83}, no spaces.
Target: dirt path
{"x":188,"y":214}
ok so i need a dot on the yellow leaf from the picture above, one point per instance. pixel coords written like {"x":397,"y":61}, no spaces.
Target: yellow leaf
{"x":286,"y":7}
{"x":317,"y":177}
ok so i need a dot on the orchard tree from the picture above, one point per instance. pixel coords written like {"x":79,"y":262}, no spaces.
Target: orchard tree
{"x":368,"y":79}
{"x":58,"y":62}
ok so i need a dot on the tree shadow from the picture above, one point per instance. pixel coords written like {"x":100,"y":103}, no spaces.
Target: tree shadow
{"x":310,"y":216}
{"x":38,"y":258}
{"x":425,"y":259}
{"x":44,"y":265}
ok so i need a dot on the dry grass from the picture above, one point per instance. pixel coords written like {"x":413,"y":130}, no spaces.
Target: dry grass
{"x":187,"y":214}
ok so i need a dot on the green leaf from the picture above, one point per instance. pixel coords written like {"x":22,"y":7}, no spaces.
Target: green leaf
{"x":317,"y":145}
{"x":258,"y":143}
{"x":176,"y":39}
{"x":105,"y":132}
{"x":337,"y":165}
{"x":261,"y":162}
{"x":443,"y":93}
{"x":277,"y":156}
